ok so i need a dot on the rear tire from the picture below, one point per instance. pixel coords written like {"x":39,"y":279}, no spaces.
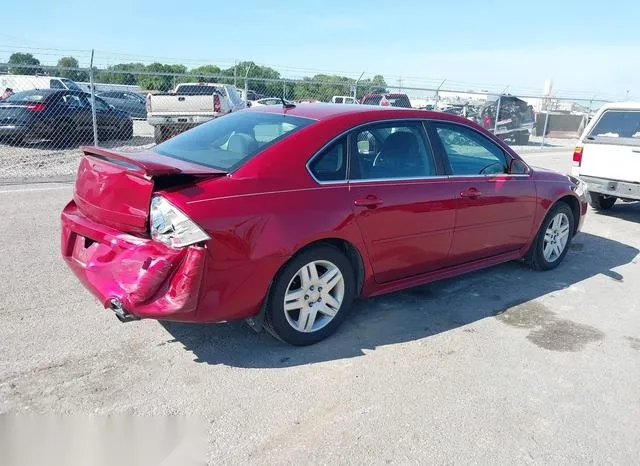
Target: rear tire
{"x":311,"y":313}
{"x":600,"y":201}
{"x":550,"y":245}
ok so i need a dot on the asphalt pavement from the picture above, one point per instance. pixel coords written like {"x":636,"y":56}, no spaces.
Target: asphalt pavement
{"x":503,"y":366}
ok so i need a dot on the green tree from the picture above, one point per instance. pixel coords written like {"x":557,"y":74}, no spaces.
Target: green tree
{"x":74,"y":74}
{"x":164,"y":77}
{"x":206,"y":73}
{"x":17,"y":59}
{"x":120,"y":74}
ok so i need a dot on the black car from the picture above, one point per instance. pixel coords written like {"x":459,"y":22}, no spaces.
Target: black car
{"x":61,"y":116}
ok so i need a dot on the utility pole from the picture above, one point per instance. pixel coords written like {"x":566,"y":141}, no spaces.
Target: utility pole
{"x":627,"y":95}
{"x":235,"y":74}
{"x":93,"y":102}
{"x":438,"y":92}
{"x":355,"y":87}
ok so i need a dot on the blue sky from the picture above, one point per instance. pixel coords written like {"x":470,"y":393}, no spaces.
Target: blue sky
{"x":588,"y":46}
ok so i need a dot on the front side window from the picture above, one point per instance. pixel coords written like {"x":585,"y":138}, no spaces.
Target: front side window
{"x":392,"y":150}
{"x":227,"y":142}
{"x":331,"y":164}
{"x":469,"y":152}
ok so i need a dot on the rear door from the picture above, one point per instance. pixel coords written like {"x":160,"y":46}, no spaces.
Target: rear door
{"x":402,"y":202}
{"x":495,"y":209}
{"x":611,"y":149}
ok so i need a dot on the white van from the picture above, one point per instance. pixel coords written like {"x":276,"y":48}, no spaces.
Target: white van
{"x":607,"y":156}
{"x":22,"y":82}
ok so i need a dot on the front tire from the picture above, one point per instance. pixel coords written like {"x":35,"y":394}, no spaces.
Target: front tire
{"x":600,"y":202}
{"x":311,"y":296}
{"x":553,"y":239}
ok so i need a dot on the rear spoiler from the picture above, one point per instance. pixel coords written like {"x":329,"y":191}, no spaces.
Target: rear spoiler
{"x":151,"y":164}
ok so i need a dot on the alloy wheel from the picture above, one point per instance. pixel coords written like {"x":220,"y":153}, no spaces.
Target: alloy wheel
{"x":314,"y":296}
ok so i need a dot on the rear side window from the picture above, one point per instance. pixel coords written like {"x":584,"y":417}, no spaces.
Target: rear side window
{"x":331,"y":164}
{"x":618,"y":125}
{"x":399,"y":100}
{"x":372,"y":100}
{"x":229,"y":141}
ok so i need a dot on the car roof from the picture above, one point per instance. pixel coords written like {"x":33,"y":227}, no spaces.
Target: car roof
{"x":325,"y":111}
{"x":626,"y":105}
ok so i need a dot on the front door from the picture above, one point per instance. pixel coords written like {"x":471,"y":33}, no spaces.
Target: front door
{"x":402,"y":203}
{"x":495,"y":209}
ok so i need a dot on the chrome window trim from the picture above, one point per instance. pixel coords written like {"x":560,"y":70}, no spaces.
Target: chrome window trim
{"x":347,"y":180}
{"x":413,"y":178}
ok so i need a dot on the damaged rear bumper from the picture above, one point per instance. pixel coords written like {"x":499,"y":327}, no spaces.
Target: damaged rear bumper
{"x":134,"y":277}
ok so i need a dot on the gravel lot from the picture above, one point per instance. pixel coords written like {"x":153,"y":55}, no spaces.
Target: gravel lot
{"x":504,"y":366}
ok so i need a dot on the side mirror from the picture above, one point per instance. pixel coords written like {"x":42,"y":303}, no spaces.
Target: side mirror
{"x":518,"y":167}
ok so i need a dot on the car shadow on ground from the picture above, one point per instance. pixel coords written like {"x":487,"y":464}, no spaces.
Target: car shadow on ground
{"x":628,"y":211}
{"x":409,"y":315}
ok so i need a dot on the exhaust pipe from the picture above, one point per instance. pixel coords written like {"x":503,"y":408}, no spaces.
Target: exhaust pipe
{"x":120,"y":312}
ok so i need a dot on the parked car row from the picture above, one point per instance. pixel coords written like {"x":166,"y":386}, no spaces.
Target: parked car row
{"x":61,"y":116}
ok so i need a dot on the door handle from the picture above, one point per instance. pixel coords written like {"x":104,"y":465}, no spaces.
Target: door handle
{"x":370,"y":202}
{"x":470,"y":193}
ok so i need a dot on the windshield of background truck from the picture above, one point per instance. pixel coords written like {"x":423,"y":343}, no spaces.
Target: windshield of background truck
{"x":229,"y":141}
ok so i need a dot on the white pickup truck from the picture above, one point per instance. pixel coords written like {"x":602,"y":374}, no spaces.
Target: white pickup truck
{"x":189,"y":105}
{"x":607,"y":156}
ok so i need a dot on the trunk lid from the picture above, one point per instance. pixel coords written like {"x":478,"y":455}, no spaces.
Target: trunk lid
{"x":115,"y":188}
{"x":12,"y":114}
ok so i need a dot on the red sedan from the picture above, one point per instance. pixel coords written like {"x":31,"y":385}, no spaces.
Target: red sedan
{"x":283,"y":215}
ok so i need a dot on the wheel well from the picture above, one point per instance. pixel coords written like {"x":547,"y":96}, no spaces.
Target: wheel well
{"x":348,"y":250}
{"x":573,"y":203}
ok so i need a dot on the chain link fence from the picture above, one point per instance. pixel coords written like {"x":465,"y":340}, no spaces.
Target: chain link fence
{"x":45,"y":119}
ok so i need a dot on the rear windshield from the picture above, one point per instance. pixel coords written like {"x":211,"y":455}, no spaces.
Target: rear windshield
{"x":229,"y":141}
{"x":198,"y":90}
{"x":372,"y":100}
{"x":618,"y":125}
{"x":399,"y":100}
{"x":27,"y":96}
